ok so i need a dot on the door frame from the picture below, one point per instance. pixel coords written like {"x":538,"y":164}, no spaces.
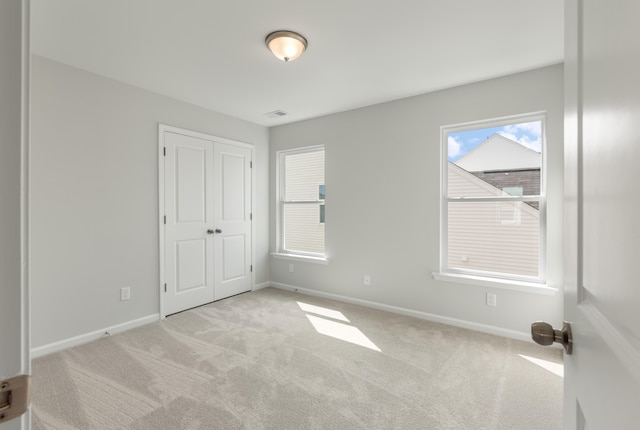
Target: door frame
{"x":162,"y":128}
{"x":15,"y":352}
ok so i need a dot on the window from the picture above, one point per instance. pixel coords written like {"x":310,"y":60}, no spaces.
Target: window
{"x":301,"y":196}
{"x":493,"y":202}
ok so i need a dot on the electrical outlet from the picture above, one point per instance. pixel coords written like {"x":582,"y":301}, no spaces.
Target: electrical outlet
{"x":125,"y":293}
{"x":491,"y":299}
{"x":367,"y":280}
{"x":290,"y":267}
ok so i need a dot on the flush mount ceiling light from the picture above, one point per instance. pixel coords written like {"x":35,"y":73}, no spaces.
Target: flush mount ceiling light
{"x":286,"y":45}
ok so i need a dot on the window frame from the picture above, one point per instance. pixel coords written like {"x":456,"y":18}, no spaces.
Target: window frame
{"x":282,"y":252}
{"x":482,"y":277}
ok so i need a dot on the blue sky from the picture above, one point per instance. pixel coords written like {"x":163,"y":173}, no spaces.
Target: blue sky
{"x":527,"y":134}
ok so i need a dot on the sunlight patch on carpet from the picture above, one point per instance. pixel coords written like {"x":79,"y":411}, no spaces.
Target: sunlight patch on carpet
{"x":325,"y":312}
{"x":341,"y":331}
{"x":555,"y":368}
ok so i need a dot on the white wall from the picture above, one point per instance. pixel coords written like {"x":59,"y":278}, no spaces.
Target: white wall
{"x":382,"y":200}
{"x":94,"y":197}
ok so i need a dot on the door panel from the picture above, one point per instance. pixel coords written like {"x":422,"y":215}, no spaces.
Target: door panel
{"x":233,"y":187}
{"x":233,"y":253}
{"x":191,"y":262}
{"x":233,"y":217}
{"x":188,"y":169}
{"x":602,"y":149}
{"x":191,"y":186}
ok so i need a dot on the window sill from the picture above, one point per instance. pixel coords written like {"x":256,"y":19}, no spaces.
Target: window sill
{"x":298,"y":257}
{"x":504,"y":284}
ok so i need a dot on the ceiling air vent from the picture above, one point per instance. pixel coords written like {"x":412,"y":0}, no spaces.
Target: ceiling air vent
{"x":275,"y":114}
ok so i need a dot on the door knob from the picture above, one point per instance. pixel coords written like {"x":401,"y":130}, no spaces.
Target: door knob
{"x":210,"y":231}
{"x":544,"y":334}
{"x":218,"y":231}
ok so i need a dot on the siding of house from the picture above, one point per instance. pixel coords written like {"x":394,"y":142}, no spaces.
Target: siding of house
{"x":491,"y":236}
{"x":302,"y":228}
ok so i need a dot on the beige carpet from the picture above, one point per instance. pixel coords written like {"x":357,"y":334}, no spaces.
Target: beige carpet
{"x":268,"y":360}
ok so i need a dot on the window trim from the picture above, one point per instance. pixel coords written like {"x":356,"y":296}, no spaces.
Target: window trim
{"x":280,"y":203}
{"x":486,"y":278}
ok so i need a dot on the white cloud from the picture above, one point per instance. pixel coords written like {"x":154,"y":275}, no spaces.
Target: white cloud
{"x":527,"y":134}
{"x":524,"y":140}
{"x":454,"y":147}
{"x":533,"y":128}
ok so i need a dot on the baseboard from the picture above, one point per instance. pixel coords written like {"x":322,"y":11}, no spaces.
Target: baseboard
{"x":484,"y":328}
{"x":261,"y":286}
{"x":94,"y":335}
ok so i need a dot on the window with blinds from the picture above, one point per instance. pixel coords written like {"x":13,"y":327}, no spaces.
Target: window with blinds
{"x":301,"y":202}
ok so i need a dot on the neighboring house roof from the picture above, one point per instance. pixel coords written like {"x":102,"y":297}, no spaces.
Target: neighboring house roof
{"x":499,"y":153}
{"x":465,"y":184}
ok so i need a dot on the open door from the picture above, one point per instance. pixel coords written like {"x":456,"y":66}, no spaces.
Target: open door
{"x":14,"y":116}
{"x":602,"y":232}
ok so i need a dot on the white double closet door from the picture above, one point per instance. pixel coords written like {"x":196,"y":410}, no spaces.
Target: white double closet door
{"x":206,"y":218}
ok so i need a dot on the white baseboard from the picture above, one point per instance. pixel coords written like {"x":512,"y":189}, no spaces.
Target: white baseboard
{"x":261,"y":286}
{"x":94,"y":335}
{"x":484,"y":328}
{"x":88,"y":337}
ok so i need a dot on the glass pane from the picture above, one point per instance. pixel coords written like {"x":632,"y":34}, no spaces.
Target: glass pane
{"x":304,"y":175}
{"x":498,"y":237}
{"x":303,"y":231}
{"x":495,"y":161}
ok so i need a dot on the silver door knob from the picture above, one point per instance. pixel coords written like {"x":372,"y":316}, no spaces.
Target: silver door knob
{"x":218,"y":230}
{"x":544,"y":334}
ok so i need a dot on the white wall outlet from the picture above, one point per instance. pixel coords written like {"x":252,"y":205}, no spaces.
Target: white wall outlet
{"x":125,"y":293}
{"x":366,"y":280}
{"x":491,"y":299}
{"x":290,"y":267}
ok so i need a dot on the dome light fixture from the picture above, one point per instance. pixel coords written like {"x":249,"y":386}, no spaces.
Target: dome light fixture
{"x":286,"y":45}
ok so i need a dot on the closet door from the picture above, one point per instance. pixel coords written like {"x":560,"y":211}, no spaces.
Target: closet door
{"x":188,"y":198}
{"x":205,"y":219}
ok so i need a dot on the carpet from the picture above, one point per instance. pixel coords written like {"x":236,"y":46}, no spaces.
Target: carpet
{"x":273,"y":359}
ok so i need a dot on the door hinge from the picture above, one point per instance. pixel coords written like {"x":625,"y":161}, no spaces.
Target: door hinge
{"x":165,"y":151}
{"x":251,"y":216}
{"x":251,"y":164}
{"x":252,"y":267}
{"x":165,"y":219}
{"x":165,"y":288}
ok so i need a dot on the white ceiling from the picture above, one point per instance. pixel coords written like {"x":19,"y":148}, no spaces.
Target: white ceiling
{"x":211,"y":52}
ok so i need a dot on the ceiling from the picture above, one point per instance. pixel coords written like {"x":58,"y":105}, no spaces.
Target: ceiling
{"x":211,"y":53}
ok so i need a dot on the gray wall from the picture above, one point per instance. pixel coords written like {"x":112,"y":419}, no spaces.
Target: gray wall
{"x":382,"y":212}
{"x":94,"y":197}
